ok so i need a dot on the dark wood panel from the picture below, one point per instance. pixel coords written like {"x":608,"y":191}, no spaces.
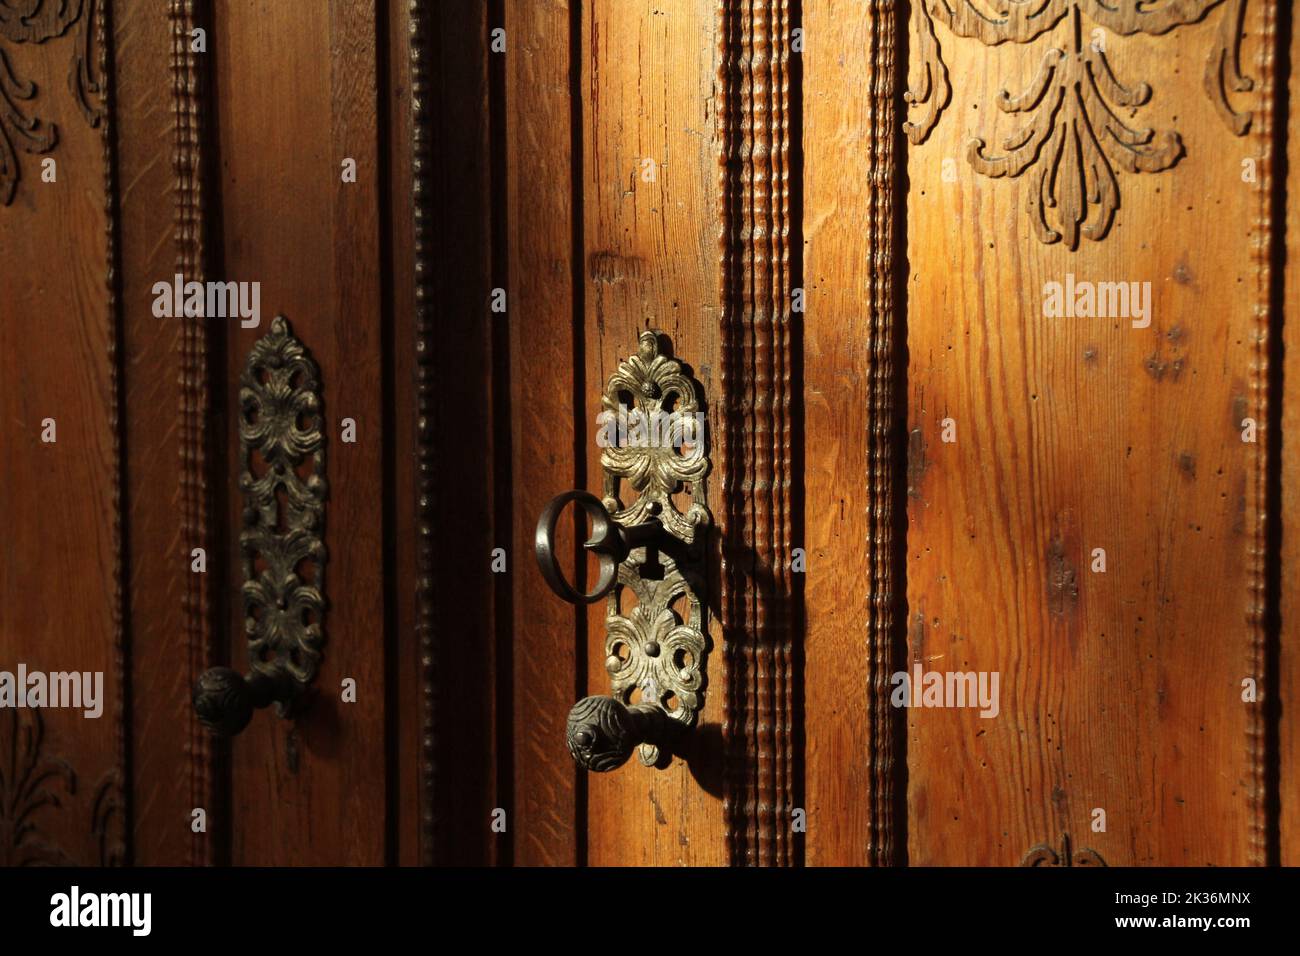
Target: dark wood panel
{"x":409,"y":677}
{"x":61,"y":588}
{"x":465,"y":439}
{"x":314,"y":790}
{"x":162,"y":672}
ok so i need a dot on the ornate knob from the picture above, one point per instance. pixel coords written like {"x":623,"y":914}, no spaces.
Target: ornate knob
{"x":602,"y":732}
{"x":225,"y":700}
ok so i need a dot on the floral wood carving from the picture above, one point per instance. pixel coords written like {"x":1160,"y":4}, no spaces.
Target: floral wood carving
{"x":1073,"y":138}
{"x":33,"y":780}
{"x":106,"y":822}
{"x":35,"y":22}
{"x":30,"y":781}
{"x":1044,"y":855}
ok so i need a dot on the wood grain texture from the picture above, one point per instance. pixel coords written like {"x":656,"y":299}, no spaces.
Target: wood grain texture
{"x":538,"y":276}
{"x":112,"y":811}
{"x":1259,"y":615}
{"x":851,"y":430}
{"x":163,"y":728}
{"x":62,"y":599}
{"x":757,"y":598}
{"x":649,"y":258}
{"x":1288,"y":676}
{"x":190,"y":111}
{"x":422,"y":249}
{"x":1119,"y":690}
{"x":449,"y":122}
{"x":313,"y":790}
{"x":410,"y":676}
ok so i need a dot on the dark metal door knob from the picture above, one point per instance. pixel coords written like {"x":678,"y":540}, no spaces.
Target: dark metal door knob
{"x":602,"y":732}
{"x":225,"y":699}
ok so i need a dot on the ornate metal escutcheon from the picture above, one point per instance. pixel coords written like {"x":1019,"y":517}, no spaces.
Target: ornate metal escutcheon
{"x":282,"y":457}
{"x":651,"y":551}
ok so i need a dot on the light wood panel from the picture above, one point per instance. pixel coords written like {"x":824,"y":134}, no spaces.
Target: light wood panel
{"x":1119,"y":690}
{"x":850,"y":430}
{"x":650,"y":254}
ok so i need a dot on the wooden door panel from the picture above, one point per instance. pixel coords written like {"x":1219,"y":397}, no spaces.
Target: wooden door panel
{"x":305,"y":791}
{"x":159,"y":368}
{"x":846,"y":219}
{"x":62,"y":605}
{"x":649,"y":204}
{"x":1122,"y":689}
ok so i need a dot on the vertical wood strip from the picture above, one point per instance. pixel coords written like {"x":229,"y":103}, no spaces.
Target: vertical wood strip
{"x":456,"y":370}
{"x":851,"y":340}
{"x":757,"y":598}
{"x":63,"y":500}
{"x":422,"y":192}
{"x":1258,"y":614}
{"x":157,"y":567}
{"x":837,"y":337}
{"x":316,"y":257}
{"x":645,"y":187}
{"x":403,"y":668}
{"x":195,"y":394}
{"x":110,"y":800}
{"x":882,"y":136}
{"x":543,"y":381}
{"x":1287,"y":685}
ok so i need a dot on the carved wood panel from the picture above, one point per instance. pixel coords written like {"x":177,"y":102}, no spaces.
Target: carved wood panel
{"x":1087,"y":510}
{"x":62,"y":588}
{"x":847,"y":218}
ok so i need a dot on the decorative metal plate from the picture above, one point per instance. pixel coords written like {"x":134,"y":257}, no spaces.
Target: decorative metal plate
{"x":282,"y":457}
{"x":652,"y":646}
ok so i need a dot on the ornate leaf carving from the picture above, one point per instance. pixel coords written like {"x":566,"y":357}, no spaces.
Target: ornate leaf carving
{"x":1043,"y":855}
{"x":35,"y":21}
{"x":18,"y":130}
{"x":1074,"y":139}
{"x":30,"y":781}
